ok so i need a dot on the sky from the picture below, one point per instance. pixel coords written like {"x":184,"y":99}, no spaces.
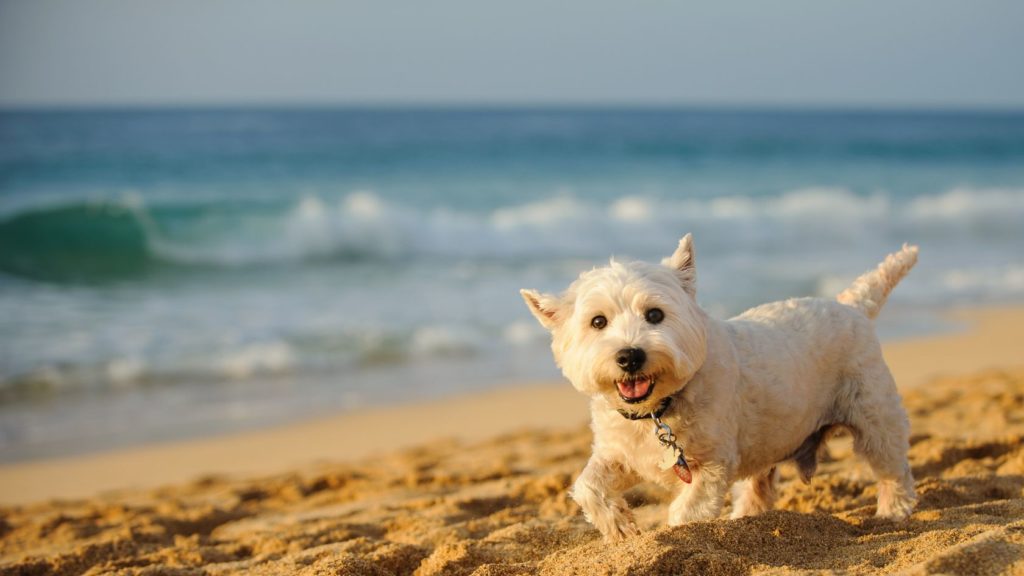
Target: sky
{"x":868,"y":53}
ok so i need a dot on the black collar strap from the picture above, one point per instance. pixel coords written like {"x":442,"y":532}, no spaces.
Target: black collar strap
{"x":662,"y":406}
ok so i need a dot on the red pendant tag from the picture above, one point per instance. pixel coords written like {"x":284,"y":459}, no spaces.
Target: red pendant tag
{"x":683,"y":472}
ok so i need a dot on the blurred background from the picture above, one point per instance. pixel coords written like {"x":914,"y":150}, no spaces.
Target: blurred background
{"x":222,"y":215}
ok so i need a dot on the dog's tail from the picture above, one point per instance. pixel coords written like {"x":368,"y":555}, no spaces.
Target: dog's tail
{"x":869,"y":292}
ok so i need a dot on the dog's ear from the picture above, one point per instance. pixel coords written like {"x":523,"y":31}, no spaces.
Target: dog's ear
{"x":545,"y":307}
{"x":682,"y":261}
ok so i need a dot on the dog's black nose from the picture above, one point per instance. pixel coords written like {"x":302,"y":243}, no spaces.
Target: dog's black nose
{"x":631,"y":359}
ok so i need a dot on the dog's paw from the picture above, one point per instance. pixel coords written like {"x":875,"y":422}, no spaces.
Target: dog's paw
{"x":895,"y":502}
{"x":618,"y":527}
{"x":620,"y":532}
{"x":896,"y":510}
{"x":686,"y":516}
{"x":680,"y":513}
{"x":746,"y":508}
{"x":614,"y":521}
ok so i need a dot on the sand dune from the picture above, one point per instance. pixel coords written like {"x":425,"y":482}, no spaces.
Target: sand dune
{"x":500,"y":507}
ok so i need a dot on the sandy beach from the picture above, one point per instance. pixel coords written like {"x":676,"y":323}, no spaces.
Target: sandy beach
{"x":477,"y":485}
{"x":261,"y":268}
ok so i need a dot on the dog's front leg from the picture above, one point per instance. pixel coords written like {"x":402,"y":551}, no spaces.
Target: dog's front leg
{"x":703,"y":498}
{"x":598,"y":491}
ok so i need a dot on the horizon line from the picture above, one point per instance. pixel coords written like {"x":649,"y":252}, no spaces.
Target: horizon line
{"x":498,"y":105}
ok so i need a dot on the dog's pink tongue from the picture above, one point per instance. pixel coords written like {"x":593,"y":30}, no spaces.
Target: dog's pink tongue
{"x":634,"y":388}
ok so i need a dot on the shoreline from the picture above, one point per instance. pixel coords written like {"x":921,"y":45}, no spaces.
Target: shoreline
{"x":990,"y":340}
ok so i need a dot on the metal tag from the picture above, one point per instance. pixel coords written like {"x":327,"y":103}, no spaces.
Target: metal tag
{"x":673,"y":456}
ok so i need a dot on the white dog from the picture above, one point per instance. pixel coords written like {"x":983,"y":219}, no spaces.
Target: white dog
{"x":694,"y":404}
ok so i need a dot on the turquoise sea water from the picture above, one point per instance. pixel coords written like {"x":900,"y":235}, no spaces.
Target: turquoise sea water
{"x":167,"y":273}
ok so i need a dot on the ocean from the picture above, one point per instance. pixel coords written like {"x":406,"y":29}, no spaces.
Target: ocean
{"x":170,"y":273}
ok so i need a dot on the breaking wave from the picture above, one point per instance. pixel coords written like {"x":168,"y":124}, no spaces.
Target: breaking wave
{"x":114,"y":239}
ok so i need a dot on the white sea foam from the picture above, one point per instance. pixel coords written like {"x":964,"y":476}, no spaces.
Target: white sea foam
{"x":125,"y":371}
{"x":364,"y":225}
{"x":469,"y":264}
{"x":545,"y":214}
{"x":523,"y":333}
{"x":998,"y":282}
{"x":968,"y":203}
{"x":444,"y":341}
{"x":632,"y":209}
{"x":259,"y":358}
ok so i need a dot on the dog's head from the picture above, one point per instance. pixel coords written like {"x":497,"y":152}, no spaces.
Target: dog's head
{"x":631,"y":332}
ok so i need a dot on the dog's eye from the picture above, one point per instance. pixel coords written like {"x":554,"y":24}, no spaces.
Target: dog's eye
{"x":599,"y":322}
{"x":654,"y":315}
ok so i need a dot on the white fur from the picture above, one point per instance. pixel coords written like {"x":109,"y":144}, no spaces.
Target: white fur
{"x":747,"y":392}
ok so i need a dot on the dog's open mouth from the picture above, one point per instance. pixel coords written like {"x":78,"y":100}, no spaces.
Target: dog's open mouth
{"x":633,"y":389}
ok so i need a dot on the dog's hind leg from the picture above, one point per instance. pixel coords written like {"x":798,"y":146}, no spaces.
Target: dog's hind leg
{"x":598,"y":491}
{"x":754,"y":495}
{"x":882,"y":437}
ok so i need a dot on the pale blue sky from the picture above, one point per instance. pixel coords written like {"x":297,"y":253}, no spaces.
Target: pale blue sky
{"x":788,"y":52}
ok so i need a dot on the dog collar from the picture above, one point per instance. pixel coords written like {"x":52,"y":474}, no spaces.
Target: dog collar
{"x":667,"y":439}
{"x":662,"y":406}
